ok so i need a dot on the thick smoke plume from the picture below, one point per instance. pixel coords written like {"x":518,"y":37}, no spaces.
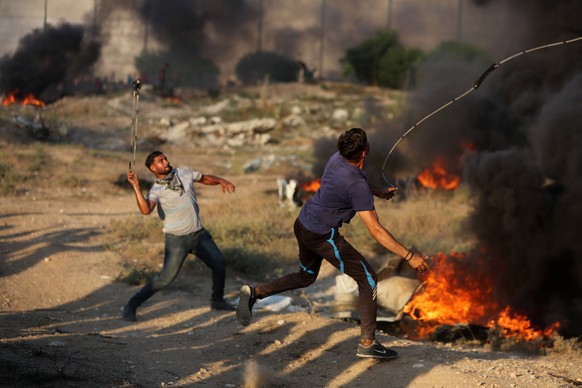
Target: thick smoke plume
{"x":46,"y":59}
{"x":186,"y":24}
{"x":524,"y":122}
{"x":192,"y":32}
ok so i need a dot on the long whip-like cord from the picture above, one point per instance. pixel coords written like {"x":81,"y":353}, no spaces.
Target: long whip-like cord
{"x":475,"y":86}
{"x":135,"y":86}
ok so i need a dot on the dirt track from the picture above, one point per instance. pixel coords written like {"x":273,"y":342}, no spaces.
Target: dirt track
{"x":60,"y":304}
{"x":61,"y":321}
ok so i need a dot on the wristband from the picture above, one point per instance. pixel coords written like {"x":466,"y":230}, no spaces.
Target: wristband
{"x":411,"y":255}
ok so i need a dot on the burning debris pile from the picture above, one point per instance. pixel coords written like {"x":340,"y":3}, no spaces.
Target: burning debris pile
{"x":11,"y":98}
{"x":46,"y":63}
{"x":460,"y":290}
{"x":525,"y":276}
{"x":294,"y":193}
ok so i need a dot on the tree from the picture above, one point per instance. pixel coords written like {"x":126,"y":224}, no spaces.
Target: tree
{"x":382,"y":60}
{"x":458,"y":51}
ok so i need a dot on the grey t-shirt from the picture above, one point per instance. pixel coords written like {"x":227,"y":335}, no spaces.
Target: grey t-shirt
{"x":179,"y":213}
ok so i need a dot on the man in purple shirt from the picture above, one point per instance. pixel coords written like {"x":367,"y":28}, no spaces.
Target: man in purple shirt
{"x":344,"y":192}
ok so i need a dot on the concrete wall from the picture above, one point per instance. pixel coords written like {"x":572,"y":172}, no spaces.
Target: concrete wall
{"x":290,"y":27}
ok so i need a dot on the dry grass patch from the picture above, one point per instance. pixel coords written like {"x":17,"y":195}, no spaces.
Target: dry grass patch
{"x":139,"y":240}
{"x":430,"y":222}
{"x":20,"y":169}
{"x":254,"y":232}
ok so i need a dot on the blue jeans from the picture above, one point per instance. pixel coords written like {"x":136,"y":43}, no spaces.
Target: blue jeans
{"x":177,"y":249}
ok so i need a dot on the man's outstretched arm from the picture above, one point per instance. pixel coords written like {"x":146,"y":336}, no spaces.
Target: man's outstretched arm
{"x":212,"y":180}
{"x":384,"y":237}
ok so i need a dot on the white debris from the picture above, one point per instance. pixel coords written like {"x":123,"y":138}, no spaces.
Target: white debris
{"x":340,"y":115}
{"x":275,"y":303}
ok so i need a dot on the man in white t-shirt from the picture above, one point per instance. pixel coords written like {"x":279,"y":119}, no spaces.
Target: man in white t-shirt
{"x":173,"y":195}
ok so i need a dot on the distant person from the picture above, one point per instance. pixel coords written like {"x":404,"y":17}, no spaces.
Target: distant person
{"x":173,"y":194}
{"x":306,"y":75}
{"x":344,"y":192}
{"x":162,"y":76}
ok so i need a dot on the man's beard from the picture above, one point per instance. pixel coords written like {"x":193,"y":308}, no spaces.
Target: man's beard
{"x":171,"y":181}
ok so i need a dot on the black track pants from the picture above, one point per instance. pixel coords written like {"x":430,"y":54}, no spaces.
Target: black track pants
{"x":313,"y":248}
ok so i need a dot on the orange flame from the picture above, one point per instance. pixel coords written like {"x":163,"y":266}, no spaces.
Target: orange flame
{"x":311,"y":186}
{"x":175,"y":100}
{"x":519,"y":326}
{"x":455,"y":291}
{"x":9,"y":98}
{"x":436,"y":176}
{"x":449,"y":297}
{"x":31,"y":100}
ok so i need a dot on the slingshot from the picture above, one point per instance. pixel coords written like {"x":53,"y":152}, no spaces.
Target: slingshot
{"x":135,"y":85}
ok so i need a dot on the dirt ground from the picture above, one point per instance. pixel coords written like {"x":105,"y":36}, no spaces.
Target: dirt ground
{"x":61,"y":320}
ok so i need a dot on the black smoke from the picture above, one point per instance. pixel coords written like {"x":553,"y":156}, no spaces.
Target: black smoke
{"x":47,"y":59}
{"x":191,"y":32}
{"x":526,"y":172}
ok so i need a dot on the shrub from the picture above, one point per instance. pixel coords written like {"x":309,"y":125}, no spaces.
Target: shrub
{"x":382,"y":60}
{"x":458,"y":51}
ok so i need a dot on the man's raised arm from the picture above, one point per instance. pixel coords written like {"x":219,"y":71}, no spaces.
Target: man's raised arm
{"x":145,"y":206}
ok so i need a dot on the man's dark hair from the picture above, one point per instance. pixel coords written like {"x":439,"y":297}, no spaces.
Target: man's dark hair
{"x":150,"y":159}
{"x":352,"y":143}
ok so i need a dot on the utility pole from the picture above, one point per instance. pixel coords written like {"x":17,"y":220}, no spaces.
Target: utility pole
{"x":146,"y":31}
{"x":260,"y":27}
{"x":322,"y":39}
{"x":45,"y":12}
{"x":94,"y":19}
{"x":459,"y":19}
{"x":390,"y":14}
{"x":146,"y":27}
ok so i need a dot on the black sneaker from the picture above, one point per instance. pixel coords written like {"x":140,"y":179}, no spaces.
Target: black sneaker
{"x":376,"y":351}
{"x":129,"y":313}
{"x":244,"y":311}
{"x":222,"y":305}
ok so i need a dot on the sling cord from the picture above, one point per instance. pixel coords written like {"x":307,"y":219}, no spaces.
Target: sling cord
{"x":135,"y":86}
{"x":475,"y":86}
